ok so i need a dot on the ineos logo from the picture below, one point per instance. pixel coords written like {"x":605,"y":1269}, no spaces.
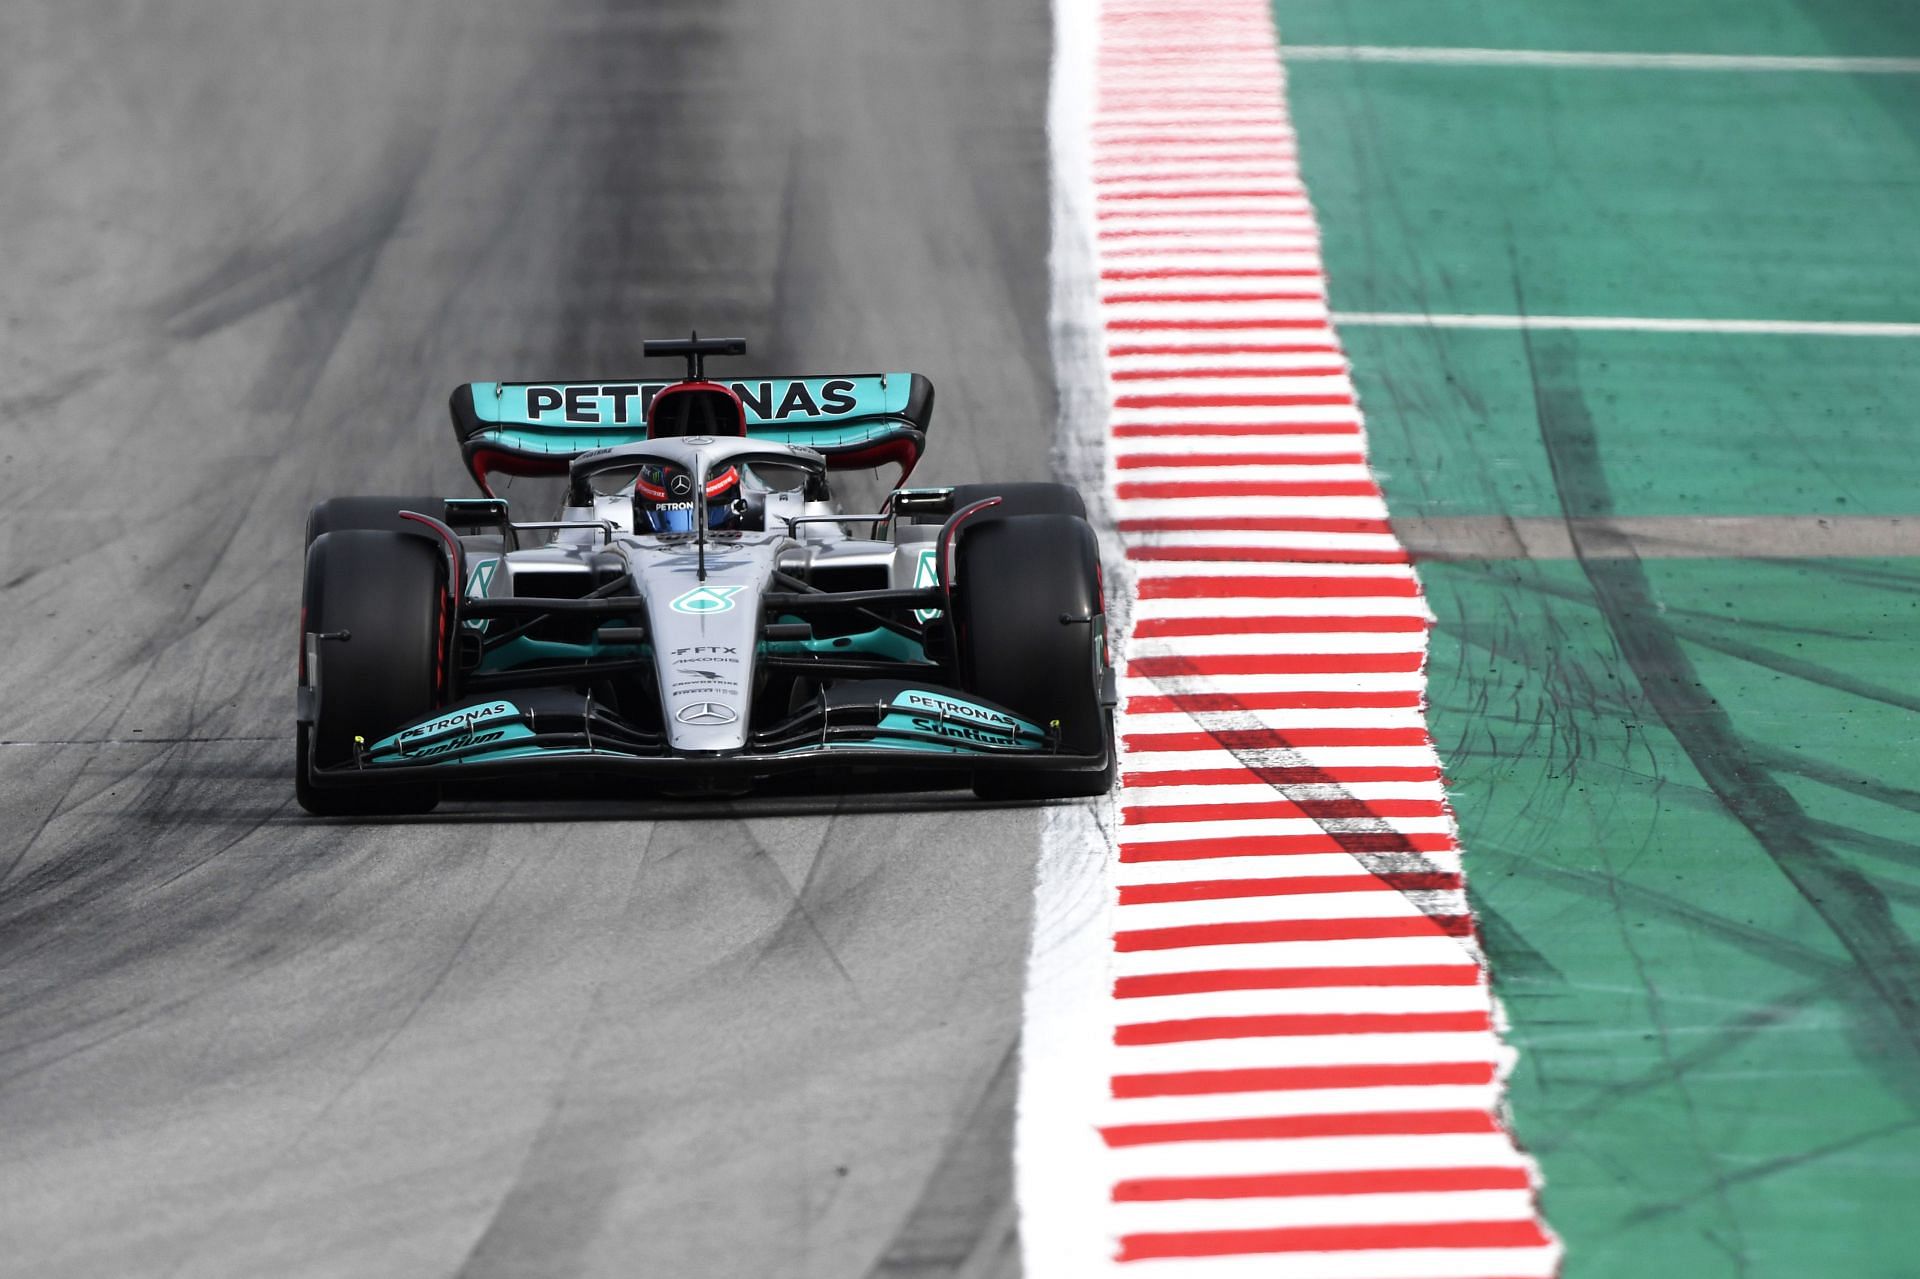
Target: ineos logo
{"x":706,"y":713}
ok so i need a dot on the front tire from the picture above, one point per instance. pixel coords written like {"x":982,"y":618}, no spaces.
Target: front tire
{"x":387,"y":592}
{"x":339,"y":514}
{"x":1030,"y":635}
{"x":1031,"y":497}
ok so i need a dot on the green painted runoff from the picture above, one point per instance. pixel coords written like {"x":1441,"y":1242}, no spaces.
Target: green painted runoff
{"x":1696,"y":424}
{"x":1858,"y":28}
{"x":1689,"y":789}
{"x":1718,"y":195}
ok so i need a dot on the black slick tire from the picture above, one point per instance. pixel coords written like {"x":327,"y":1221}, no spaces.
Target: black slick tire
{"x":1029,"y":635}
{"x":1026,"y":498}
{"x":387,"y":592}
{"x":339,"y":514}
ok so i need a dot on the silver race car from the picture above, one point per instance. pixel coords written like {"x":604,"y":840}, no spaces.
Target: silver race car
{"x":700,"y":614}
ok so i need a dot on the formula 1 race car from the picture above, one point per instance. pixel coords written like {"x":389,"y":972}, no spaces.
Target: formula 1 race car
{"x":700,"y":615}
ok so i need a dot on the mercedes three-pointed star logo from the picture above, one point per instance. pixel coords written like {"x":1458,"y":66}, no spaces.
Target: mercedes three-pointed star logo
{"x":705,"y":713}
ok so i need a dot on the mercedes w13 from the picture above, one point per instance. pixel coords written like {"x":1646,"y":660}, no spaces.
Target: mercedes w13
{"x":700,"y":613}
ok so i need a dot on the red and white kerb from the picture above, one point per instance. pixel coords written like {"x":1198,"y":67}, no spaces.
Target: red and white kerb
{"x":1305,"y":1066}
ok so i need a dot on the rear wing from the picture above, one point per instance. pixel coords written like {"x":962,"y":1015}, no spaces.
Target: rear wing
{"x":857,"y":421}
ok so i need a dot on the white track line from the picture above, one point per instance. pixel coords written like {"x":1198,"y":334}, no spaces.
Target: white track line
{"x":1626,"y":324}
{"x":1444,"y":57}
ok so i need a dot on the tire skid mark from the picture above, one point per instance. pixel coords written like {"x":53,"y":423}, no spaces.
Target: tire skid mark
{"x":523,"y":1187}
{"x":1350,"y":822}
{"x":947,"y":1231}
{"x":1856,"y":911}
{"x":315,"y":1122}
{"x":1706,"y":636}
{"x":1768,"y":1168}
{"x":261,"y":273}
{"x":798,"y":919}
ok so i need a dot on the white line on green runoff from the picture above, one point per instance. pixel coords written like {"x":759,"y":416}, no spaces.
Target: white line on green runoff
{"x":1438,"y":57}
{"x":1626,"y":324}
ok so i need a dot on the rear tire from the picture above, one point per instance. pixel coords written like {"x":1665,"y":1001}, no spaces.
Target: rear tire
{"x":1016,"y":579}
{"x":387,"y":590}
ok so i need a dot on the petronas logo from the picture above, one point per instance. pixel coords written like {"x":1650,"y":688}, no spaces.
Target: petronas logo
{"x":707,"y":599}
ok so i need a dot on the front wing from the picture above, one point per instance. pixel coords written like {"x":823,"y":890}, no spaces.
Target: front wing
{"x":874,"y":724}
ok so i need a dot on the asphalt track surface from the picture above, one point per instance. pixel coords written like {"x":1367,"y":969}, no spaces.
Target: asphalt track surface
{"x":250,"y":248}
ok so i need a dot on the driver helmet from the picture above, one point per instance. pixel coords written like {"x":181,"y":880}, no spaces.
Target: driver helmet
{"x":663,"y":499}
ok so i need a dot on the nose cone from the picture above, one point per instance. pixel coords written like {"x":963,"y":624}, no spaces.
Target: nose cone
{"x":705,"y":634}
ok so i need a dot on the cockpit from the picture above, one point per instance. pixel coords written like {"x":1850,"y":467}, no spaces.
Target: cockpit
{"x":662,"y":497}
{"x":698,"y":463}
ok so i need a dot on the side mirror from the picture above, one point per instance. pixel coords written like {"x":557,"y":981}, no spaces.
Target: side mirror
{"x":475,"y":512}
